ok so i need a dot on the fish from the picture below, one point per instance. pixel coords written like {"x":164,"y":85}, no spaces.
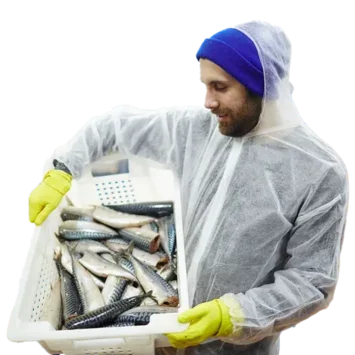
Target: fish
{"x":167,"y":235}
{"x":155,"y":261}
{"x":81,"y":246}
{"x":124,"y":263}
{"x":98,"y":282}
{"x":52,"y":308}
{"x":141,"y":315}
{"x":90,"y":295}
{"x":117,"y":244}
{"x":62,"y":253}
{"x":101,"y":267}
{"x":119,"y":219}
{"x":154,"y":209}
{"x":162,"y":291}
{"x":77,"y":213}
{"x":76,"y":230}
{"x":106,"y":314}
{"x":70,"y":297}
{"x":65,"y":258}
{"x":167,"y":273}
{"x":114,"y":288}
{"x":144,"y":239}
{"x":121,"y":324}
{"x":149,"y":302}
{"x":131,"y":291}
{"x":153,"y":226}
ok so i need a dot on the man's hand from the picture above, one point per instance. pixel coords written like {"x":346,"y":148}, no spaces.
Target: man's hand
{"x":206,"y":320}
{"x":47,"y":195}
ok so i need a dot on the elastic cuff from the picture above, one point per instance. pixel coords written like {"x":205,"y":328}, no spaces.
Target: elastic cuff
{"x":58,"y":180}
{"x":226,"y":327}
{"x":235,"y":312}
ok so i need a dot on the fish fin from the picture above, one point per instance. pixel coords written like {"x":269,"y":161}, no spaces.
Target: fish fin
{"x":124,"y":253}
{"x":150,"y":295}
{"x":130,"y":248}
{"x":71,"y":247}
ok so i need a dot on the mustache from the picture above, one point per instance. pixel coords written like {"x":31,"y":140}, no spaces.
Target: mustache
{"x":219,"y":113}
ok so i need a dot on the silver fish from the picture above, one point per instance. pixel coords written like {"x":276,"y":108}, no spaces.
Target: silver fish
{"x":114,"y":288}
{"x":156,"y":261}
{"x":122,"y":262}
{"x":126,"y":264}
{"x":121,"y":324}
{"x":149,"y":302}
{"x":66,"y":258}
{"x":117,"y":244}
{"x":153,"y":226}
{"x":162,"y":291}
{"x":89,"y":293}
{"x":154,"y":208}
{"x":77,"y":213}
{"x":118,"y":219}
{"x":81,"y":246}
{"x":52,"y":308}
{"x":142,"y":238}
{"x":167,"y":235}
{"x":141,"y":315}
{"x":100,"y":284}
{"x":105,"y":315}
{"x":62,"y":253}
{"x":70,"y":297}
{"x":167,"y":272}
{"x":131,"y":291}
{"x":101,"y":267}
{"x":75,"y":230}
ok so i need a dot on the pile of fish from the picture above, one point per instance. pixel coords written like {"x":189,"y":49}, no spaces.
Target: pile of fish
{"x":117,"y":264}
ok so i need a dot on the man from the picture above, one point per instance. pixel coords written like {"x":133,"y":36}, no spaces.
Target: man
{"x":264,"y":200}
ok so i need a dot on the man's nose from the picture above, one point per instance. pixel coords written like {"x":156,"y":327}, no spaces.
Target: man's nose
{"x":210,"y":102}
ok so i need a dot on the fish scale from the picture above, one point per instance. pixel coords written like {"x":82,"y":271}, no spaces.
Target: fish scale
{"x":153,"y":209}
{"x":70,"y":296}
{"x":104,"y":315}
{"x":76,"y":230}
{"x":121,"y":324}
{"x":171,"y":237}
{"x":163,"y":292}
{"x":117,"y":291}
{"x":136,"y":235}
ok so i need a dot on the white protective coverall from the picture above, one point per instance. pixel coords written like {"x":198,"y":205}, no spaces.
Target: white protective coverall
{"x":263,"y":215}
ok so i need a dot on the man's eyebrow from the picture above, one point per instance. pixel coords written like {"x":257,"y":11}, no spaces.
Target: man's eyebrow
{"x":214,"y":82}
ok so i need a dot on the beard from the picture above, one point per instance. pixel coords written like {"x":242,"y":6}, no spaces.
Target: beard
{"x":242,"y":120}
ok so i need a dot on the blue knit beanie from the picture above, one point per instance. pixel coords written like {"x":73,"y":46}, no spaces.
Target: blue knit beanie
{"x":236,"y":54}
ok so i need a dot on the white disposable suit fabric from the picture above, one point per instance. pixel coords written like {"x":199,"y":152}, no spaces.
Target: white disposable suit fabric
{"x":263,"y":215}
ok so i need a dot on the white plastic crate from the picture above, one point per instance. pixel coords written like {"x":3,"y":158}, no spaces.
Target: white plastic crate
{"x":142,"y":183}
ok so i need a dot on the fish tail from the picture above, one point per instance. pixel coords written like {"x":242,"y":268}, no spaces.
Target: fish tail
{"x":150,"y":295}
{"x":71,"y":246}
{"x":124,"y":253}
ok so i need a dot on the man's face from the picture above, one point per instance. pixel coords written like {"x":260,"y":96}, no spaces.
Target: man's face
{"x":237,"y":109}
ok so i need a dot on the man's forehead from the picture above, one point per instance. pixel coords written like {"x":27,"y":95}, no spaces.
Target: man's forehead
{"x":212,"y":73}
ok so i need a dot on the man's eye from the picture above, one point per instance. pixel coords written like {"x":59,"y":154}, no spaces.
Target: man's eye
{"x":220,"y":88}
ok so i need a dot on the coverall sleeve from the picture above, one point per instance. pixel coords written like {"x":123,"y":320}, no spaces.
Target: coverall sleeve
{"x":307,"y":283}
{"x":159,"y":135}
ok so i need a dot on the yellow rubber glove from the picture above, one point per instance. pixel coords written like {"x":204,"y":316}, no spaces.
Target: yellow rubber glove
{"x":206,"y":320}
{"x":47,"y":195}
